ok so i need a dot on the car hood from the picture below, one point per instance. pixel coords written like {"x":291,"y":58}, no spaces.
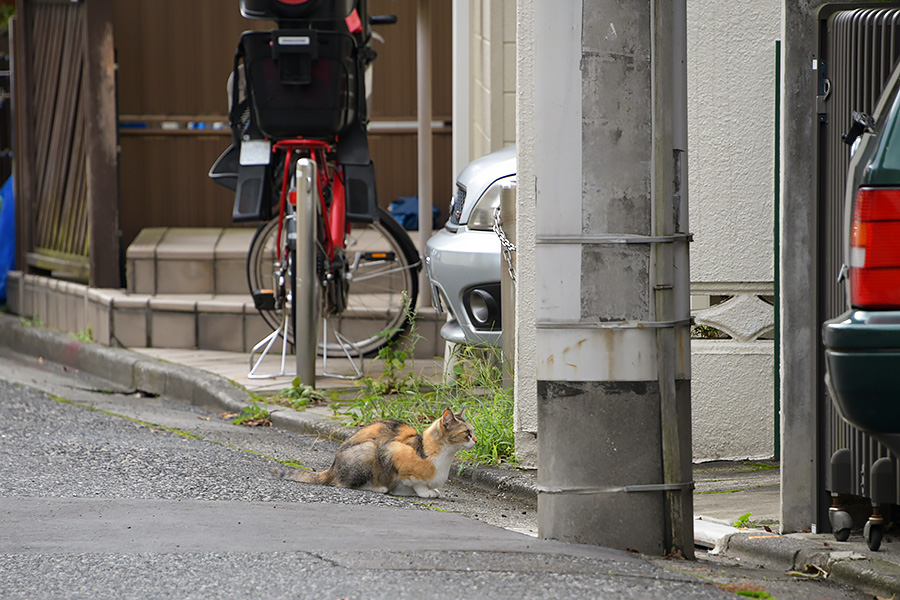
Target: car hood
{"x":479,"y":174}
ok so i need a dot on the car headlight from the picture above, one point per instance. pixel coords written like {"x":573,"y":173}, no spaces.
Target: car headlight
{"x":482,"y":216}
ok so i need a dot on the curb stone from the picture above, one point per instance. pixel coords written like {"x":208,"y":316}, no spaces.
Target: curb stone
{"x":795,"y":552}
{"x":124,"y":367}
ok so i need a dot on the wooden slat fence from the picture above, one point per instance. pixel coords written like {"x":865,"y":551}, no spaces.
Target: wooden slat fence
{"x":60,"y":226}
{"x":62,"y":81}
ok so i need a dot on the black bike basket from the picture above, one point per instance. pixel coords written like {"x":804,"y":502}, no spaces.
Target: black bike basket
{"x":302,"y":82}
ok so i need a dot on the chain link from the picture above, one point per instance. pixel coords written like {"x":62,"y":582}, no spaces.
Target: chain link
{"x":507,"y":246}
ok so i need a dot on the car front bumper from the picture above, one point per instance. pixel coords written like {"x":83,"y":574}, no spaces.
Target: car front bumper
{"x":456,"y":263}
{"x":862,"y":356}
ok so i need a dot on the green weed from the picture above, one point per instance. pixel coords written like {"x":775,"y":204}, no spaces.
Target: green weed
{"x":707,"y":332}
{"x":254,"y":415}
{"x":34,"y":322}
{"x":85,"y":336}
{"x":743,"y":522}
{"x":299,"y":396}
{"x":399,"y":393}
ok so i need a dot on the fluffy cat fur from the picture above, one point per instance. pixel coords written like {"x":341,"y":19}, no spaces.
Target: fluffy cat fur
{"x":393,"y":458}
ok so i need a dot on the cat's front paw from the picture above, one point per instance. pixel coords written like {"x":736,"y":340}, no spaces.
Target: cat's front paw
{"x":426,"y":492}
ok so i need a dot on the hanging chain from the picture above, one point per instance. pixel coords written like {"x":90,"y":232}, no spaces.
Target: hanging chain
{"x":508,"y":246}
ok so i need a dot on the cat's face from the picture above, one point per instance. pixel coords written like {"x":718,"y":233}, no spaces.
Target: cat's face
{"x":456,"y":430}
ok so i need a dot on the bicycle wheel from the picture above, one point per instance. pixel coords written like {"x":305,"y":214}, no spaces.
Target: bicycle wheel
{"x":383,"y":276}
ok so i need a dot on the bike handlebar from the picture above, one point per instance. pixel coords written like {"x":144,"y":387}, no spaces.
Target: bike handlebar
{"x":382,"y":19}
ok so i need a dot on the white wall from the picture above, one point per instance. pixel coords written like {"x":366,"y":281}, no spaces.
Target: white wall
{"x":525,"y":382}
{"x":493,"y":75}
{"x":731,"y":111}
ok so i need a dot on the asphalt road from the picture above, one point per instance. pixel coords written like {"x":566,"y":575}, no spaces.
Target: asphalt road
{"x":106,"y":494}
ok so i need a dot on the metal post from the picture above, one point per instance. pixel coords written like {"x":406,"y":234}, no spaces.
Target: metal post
{"x":461,"y":87}
{"x":776,"y":254}
{"x":508,"y":283}
{"x":423,"y":111}
{"x":304,"y":286}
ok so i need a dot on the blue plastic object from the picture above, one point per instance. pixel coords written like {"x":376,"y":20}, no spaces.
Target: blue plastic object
{"x":405,"y":209}
{"x":7,"y":234}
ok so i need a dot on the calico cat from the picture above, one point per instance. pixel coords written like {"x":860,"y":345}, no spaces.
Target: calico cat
{"x":393,"y":458}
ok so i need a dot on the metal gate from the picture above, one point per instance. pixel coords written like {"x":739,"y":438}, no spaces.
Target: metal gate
{"x":858,"y":50}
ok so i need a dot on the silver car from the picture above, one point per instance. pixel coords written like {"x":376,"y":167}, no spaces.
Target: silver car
{"x":463,"y":259}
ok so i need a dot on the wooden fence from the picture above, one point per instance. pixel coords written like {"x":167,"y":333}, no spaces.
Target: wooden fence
{"x":64,"y":87}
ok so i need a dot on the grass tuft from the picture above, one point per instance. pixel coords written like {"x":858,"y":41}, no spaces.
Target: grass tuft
{"x":399,"y":393}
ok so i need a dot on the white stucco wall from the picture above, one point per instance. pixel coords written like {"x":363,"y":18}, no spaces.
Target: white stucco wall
{"x":724,"y":427}
{"x":525,"y":382}
{"x":731,"y":141}
{"x":731,"y":111}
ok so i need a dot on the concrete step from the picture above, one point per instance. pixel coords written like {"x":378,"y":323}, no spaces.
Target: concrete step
{"x":186,"y":288}
{"x":179,"y":260}
{"x":115,"y":317}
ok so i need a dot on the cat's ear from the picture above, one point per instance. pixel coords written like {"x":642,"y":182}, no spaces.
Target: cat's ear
{"x":447,"y":418}
{"x":461,"y":414}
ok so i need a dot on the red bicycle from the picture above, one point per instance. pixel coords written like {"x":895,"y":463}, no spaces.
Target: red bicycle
{"x":330,"y":270}
{"x":365,"y":274}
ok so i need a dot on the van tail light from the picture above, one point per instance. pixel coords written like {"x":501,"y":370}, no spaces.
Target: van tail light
{"x":875,"y":249}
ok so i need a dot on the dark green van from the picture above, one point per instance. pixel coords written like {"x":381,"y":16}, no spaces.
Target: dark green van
{"x":862,"y":346}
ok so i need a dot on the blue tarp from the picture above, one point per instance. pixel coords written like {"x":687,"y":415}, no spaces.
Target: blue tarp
{"x":7,"y":234}
{"x":406,"y":210}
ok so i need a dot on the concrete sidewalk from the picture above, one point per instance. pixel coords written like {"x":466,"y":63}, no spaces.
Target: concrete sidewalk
{"x":724,"y":491}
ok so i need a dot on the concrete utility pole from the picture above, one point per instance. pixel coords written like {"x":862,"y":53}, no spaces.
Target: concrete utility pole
{"x":606,"y":182}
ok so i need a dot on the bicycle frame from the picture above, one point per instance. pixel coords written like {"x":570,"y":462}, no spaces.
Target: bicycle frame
{"x":334,"y":216}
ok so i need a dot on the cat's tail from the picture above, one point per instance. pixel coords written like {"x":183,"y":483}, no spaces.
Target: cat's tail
{"x":325,"y":477}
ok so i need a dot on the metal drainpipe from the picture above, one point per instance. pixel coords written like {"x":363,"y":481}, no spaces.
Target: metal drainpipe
{"x":777,"y":252}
